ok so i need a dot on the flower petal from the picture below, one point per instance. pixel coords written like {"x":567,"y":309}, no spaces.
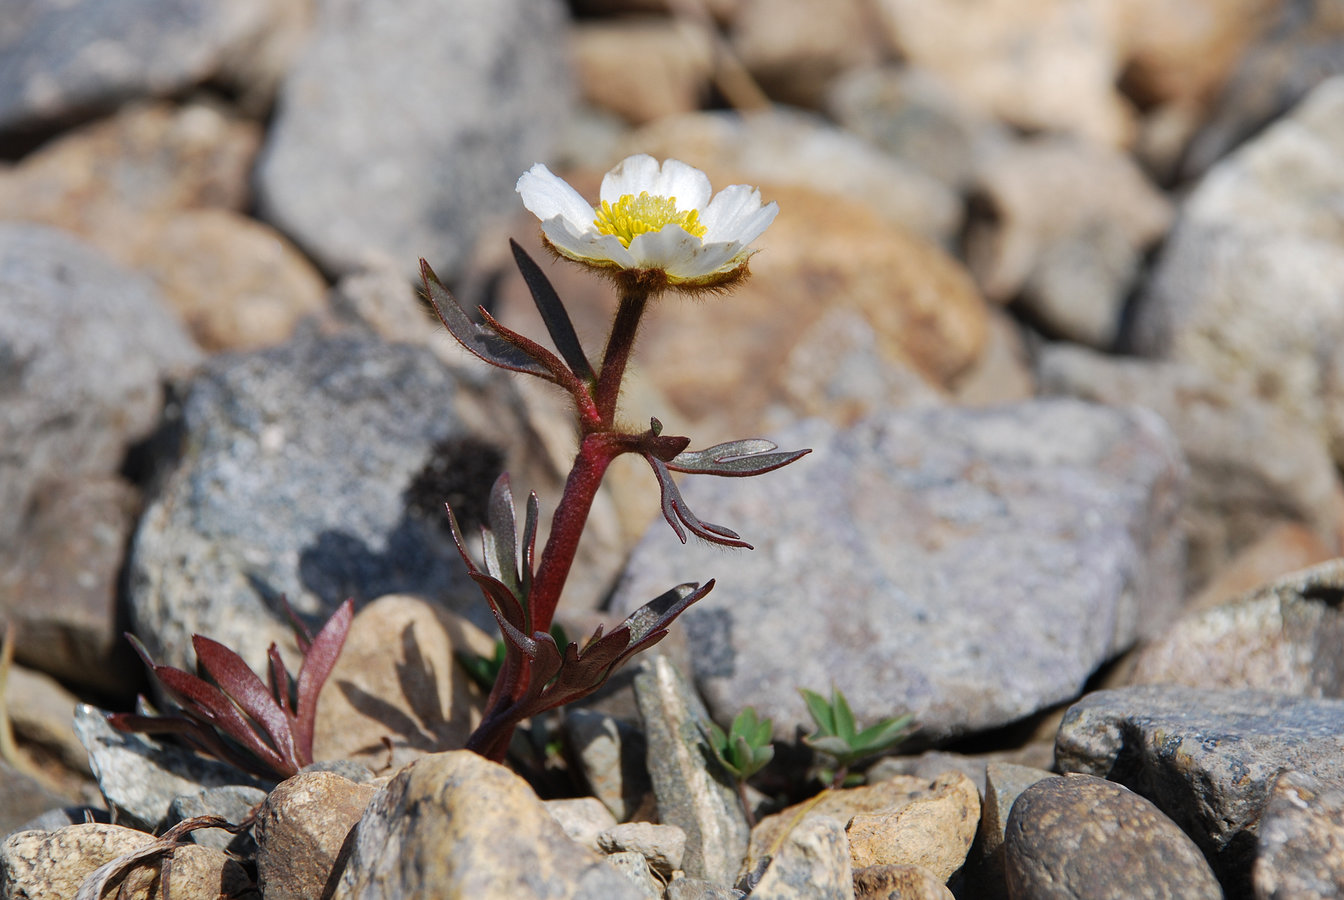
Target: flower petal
{"x":587,"y":245}
{"x":687,"y":183}
{"x":546,"y":195}
{"x":684,"y":256}
{"x":672,"y":249}
{"x":736,"y":214}
{"x":630,"y":176}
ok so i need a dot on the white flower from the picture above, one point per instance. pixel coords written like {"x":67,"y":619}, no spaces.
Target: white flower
{"x":656,"y":223}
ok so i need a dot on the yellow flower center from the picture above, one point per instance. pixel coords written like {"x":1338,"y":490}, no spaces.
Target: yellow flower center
{"x":633,"y":215}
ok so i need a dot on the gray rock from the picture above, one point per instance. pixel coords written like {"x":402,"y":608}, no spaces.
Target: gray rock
{"x":611,"y":753}
{"x":700,"y":889}
{"x":139,"y":777}
{"x":582,"y":818}
{"x":1207,"y":758}
{"x":912,"y":115}
{"x":1283,"y":638}
{"x":63,"y":60}
{"x":233,"y":802}
{"x":967,"y":566}
{"x":664,"y":846}
{"x":1065,"y":225}
{"x":23,"y":798}
{"x":454,"y":825}
{"x":367,"y":161}
{"x":1251,"y":465}
{"x":635,"y":867}
{"x":1301,"y":48}
{"x":84,"y":347}
{"x":812,"y":864}
{"x":54,"y":819}
{"x":788,"y":147}
{"x":693,"y":791}
{"x":1004,"y":783}
{"x":1262,"y":225}
{"x":1300,"y":853}
{"x":301,"y":477}
{"x":1084,"y":838}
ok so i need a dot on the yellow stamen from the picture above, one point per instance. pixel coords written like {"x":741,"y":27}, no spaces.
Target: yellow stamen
{"x":633,"y":215}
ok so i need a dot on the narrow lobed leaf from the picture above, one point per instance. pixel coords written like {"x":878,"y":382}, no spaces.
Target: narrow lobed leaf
{"x":317,"y":665}
{"x":504,"y":535}
{"x":241,"y":685}
{"x":735,"y":459}
{"x":553,"y":314}
{"x":479,"y":340}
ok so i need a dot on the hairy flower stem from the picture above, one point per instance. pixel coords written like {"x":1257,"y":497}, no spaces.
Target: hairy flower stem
{"x":597,"y":449}
{"x":619,"y":346}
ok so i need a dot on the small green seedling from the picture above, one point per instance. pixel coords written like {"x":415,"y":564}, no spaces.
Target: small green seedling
{"x":838,"y":735}
{"x":743,"y":750}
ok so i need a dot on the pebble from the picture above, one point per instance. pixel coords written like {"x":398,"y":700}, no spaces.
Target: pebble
{"x":812,"y":863}
{"x":1206,"y":758}
{"x":1280,"y":638}
{"x":454,"y":825}
{"x":664,"y":846}
{"x":139,"y":777}
{"x":693,"y":792}
{"x":1300,"y":849}
{"x":302,"y":830}
{"x":900,"y":882}
{"x":395,"y":693}
{"x":1082,"y":838}
{"x":274,"y":496}
{"x":85,"y":346}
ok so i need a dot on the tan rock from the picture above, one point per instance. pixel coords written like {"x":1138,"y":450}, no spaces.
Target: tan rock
{"x":455,"y":825}
{"x":933,"y":830}
{"x":1283,"y":549}
{"x":301,"y":829}
{"x":901,"y":882}
{"x":811,"y":863}
{"x":781,"y":147}
{"x":1282,"y":638}
{"x":145,"y":160}
{"x":1066,"y":228}
{"x":898,"y":821}
{"x":1002,"y":372}
{"x":161,"y":189}
{"x":53,"y":865}
{"x":397,"y":679}
{"x":193,"y":872}
{"x":1186,"y":53}
{"x":794,"y":48}
{"x":237,"y":283}
{"x":642,"y":68}
{"x":1038,"y":64}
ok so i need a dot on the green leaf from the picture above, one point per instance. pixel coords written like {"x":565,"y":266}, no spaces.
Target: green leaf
{"x":820,"y":711}
{"x":844,"y":716}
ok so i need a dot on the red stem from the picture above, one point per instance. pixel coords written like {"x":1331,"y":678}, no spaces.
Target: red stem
{"x":601,"y":444}
{"x":620,"y":343}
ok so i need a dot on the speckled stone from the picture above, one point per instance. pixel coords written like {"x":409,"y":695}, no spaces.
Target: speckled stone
{"x":1082,"y":838}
